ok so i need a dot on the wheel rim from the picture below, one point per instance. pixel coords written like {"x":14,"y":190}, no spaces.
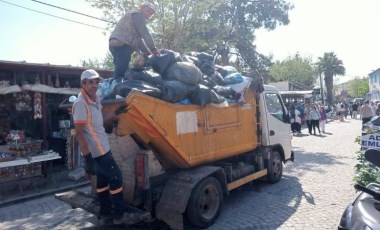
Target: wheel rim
{"x":208,"y":202}
{"x":276,"y":166}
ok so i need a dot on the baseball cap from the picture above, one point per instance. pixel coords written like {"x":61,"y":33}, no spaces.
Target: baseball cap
{"x":89,"y":74}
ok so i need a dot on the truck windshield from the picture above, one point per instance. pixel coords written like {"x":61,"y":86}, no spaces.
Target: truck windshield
{"x":275,"y":106}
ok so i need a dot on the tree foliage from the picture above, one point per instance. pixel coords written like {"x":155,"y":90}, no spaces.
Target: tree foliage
{"x":223,"y":28}
{"x":294,"y":69}
{"x":358,"y":87}
{"x":106,"y":63}
{"x":330,"y":65}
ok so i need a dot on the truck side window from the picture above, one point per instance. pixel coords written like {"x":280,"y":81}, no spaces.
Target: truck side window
{"x":275,"y":106}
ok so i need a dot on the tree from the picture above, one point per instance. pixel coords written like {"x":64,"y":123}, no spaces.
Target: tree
{"x":106,"y":63}
{"x":224,"y":28}
{"x":330,"y":66}
{"x":294,"y":69}
{"x":358,"y":87}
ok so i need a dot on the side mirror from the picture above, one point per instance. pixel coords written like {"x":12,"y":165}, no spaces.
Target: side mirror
{"x":286,"y":118}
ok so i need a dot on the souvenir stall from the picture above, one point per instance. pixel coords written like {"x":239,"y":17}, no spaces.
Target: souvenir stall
{"x":33,"y":129}
{"x":22,"y":154}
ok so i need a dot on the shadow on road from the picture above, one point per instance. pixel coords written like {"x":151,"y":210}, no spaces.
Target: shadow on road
{"x":260,"y":205}
{"x":312,"y":161}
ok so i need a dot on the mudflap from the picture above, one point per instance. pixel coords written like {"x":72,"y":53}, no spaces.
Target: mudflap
{"x":87,"y":202}
{"x":177,"y":191}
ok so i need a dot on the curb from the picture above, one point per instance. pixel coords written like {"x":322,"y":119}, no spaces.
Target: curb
{"x":42,"y":194}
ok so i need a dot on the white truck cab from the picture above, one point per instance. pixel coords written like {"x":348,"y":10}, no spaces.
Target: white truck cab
{"x":275,"y":122}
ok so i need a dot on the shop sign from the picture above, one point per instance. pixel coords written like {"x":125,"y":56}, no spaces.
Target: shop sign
{"x":371,"y":141}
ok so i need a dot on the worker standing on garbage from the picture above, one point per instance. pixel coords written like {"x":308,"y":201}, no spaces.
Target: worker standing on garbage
{"x":129,"y":35}
{"x":94,"y":145}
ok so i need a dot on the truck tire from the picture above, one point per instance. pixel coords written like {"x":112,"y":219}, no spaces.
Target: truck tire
{"x":205,"y":203}
{"x":274,"y":166}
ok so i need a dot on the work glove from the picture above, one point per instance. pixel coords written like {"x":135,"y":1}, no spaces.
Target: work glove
{"x":121,"y":109}
{"x":89,"y":165}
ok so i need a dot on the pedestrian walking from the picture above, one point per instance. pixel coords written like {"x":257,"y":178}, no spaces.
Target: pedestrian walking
{"x":366,"y":112}
{"x":295,"y":121}
{"x":95,"y":148}
{"x":341,"y":112}
{"x":355,"y":108}
{"x":323,"y":116}
{"x":314,"y":118}
{"x":129,"y":35}
{"x":307,"y":117}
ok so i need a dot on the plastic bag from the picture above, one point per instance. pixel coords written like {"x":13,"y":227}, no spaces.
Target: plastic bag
{"x":185,"y":72}
{"x":233,"y":78}
{"x":203,"y":96}
{"x":176,"y":91}
{"x":162,"y":62}
{"x":144,"y":75}
{"x":124,"y":88}
{"x":105,"y":88}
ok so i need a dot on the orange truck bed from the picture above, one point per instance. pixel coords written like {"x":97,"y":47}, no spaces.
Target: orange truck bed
{"x":184,"y":136}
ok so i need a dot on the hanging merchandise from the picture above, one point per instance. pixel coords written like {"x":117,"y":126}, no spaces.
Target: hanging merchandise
{"x":37,"y":105}
{"x":57,"y":85}
{"x":50,"y":82}
{"x":23,"y":101}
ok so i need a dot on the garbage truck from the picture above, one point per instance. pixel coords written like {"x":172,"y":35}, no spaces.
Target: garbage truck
{"x":179,"y":161}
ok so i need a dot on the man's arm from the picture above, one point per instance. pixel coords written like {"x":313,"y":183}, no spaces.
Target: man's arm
{"x":79,"y":134}
{"x":139,"y":23}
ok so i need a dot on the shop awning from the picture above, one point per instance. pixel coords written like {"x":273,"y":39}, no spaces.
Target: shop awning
{"x":10,"y":89}
{"x":48,"y":89}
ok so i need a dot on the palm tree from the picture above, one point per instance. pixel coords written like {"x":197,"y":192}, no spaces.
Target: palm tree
{"x":330,"y":66}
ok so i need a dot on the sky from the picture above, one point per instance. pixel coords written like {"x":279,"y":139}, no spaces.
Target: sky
{"x":348,"y":28}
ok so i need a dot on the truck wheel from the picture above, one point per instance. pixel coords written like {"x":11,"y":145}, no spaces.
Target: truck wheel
{"x":205,"y":203}
{"x":274,"y":166}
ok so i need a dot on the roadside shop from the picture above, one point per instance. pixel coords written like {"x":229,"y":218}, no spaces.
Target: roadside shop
{"x":34,"y":132}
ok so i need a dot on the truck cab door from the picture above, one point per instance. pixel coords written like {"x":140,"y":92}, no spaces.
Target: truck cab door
{"x":275,"y":122}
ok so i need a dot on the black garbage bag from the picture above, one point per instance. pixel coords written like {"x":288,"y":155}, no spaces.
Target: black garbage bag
{"x":205,"y":56}
{"x":207,"y":68}
{"x":204,"y":95}
{"x":175,"y":91}
{"x":124,"y":88}
{"x":148,"y":76}
{"x":226,"y":92}
{"x":185,"y":72}
{"x":217,"y":77}
{"x":192,"y":59}
{"x":161,"y":62}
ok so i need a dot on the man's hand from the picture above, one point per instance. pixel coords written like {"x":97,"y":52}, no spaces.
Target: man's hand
{"x":156,"y":52}
{"x":89,"y":166}
{"x":121,"y":109}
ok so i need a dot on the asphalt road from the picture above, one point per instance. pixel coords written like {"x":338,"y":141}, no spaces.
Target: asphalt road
{"x":312,"y":194}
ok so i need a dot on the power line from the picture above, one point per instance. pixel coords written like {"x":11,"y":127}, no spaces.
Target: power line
{"x":54,"y":15}
{"x":72,"y":11}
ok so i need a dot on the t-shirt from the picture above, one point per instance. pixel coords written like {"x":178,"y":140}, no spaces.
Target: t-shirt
{"x":88,"y":112}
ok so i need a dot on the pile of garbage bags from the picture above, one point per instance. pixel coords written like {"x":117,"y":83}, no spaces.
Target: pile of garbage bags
{"x":192,"y":78}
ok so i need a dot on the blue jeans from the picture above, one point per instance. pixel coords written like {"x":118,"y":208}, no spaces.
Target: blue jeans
{"x":121,"y":58}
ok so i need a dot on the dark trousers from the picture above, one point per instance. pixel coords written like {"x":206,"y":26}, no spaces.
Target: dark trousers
{"x":308,"y":123}
{"x":121,"y":58}
{"x":109,"y":183}
{"x":315,"y":124}
{"x":295,"y":127}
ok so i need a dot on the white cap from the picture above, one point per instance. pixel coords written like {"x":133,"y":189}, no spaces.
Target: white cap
{"x":89,"y":74}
